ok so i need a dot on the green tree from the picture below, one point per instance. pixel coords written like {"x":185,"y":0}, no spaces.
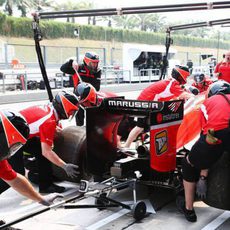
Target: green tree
{"x":124,"y":21}
{"x":70,"y":5}
{"x":24,"y":5}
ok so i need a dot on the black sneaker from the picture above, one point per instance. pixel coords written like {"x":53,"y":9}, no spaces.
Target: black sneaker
{"x":53,"y":188}
{"x":190,"y":215}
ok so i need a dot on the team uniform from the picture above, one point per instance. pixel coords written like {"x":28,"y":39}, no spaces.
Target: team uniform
{"x":42,"y":122}
{"x":93,"y":78}
{"x":203,"y":86}
{"x":164,"y":90}
{"x":6,"y":171}
{"x":204,"y":154}
{"x":89,"y":73}
{"x":224,"y":69}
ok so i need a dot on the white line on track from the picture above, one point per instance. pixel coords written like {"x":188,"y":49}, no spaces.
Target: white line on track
{"x":108,"y":219}
{"x":218,"y":221}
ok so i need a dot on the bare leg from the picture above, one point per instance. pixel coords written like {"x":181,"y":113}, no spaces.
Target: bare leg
{"x":189,"y":189}
{"x":132,"y":136}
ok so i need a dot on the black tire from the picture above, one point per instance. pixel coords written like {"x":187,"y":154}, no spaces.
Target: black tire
{"x":139,"y":210}
{"x":218,"y":184}
{"x":70,"y":145}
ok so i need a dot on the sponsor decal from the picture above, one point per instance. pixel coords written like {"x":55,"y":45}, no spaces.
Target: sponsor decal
{"x":167,"y":117}
{"x":159,"y":118}
{"x":161,"y":142}
{"x":133,"y":104}
{"x":174,"y":106}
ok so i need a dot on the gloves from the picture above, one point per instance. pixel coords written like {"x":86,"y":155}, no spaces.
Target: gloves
{"x":49,"y":199}
{"x":71,"y":170}
{"x":210,"y":138}
{"x":75,"y":65}
{"x":201,"y":187}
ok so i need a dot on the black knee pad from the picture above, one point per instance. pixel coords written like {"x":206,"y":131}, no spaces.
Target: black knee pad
{"x":190,"y":173}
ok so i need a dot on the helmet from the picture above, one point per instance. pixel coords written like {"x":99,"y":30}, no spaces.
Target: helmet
{"x":219,"y":87}
{"x":65,"y":104}
{"x":14,"y":132}
{"x":87,"y":94}
{"x":180,"y":73}
{"x":199,"y":78}
{"x":91,"y":60}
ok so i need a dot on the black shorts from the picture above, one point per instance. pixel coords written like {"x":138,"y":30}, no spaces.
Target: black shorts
{"x":143,"y":123}
{"x":204,"y":155}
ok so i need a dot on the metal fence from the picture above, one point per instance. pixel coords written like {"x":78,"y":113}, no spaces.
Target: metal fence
{"x":32,"y":80}
{"x":29,"y":78}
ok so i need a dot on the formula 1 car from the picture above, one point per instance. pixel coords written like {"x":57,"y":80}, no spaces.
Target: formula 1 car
{"x":172,"y":124}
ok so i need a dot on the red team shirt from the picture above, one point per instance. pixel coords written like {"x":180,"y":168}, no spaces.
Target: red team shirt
{"x":161,"y":91}
{"x":42,"y":122}
{"x":224,"y":69}
{"x":215,"y":113}
{"x":203,"y":86}
{"x":6,"y":171}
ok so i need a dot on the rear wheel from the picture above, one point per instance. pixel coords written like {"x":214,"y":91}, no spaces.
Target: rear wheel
{"x":70,"y":146}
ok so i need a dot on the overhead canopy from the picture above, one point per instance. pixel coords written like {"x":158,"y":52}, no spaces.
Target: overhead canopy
{"x":200,"y":24}
{"x":136,"y":10}
{"x":134,"y":50}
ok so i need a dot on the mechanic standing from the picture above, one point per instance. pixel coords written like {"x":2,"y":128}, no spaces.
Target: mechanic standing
{"x":88,"y":71}
{"x":163,"y":90}
{"x":14,"y":132}
{"x":213,"y":141}
{"x":201,"y":82}
{"x":222,"y":69}
{"x":43,"y":123}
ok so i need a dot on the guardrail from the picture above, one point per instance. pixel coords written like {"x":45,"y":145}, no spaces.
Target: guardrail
{"x":32,"y":80}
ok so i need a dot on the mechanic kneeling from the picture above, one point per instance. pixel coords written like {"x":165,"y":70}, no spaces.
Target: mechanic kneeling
{"x":213,"y":141}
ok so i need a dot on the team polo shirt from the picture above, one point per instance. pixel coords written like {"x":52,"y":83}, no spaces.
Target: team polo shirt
{"x":224,"y":69}
{"x":215,"y":113}
{"x":42,"y":122}
{"x":203,"y":86}
{"x":6,"y":171}
{"x":163,"y":90}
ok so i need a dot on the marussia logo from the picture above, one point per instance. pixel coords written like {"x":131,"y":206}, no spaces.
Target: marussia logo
{"x":174,"y":106}
{"x":161,"y":142}
{"x":133,"y":104}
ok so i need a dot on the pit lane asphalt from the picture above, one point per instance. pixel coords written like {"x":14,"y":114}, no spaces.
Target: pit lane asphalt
{"x":13,"y":205}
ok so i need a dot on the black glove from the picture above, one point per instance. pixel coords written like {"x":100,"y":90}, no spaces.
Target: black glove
{"x":49,"y":199}
{"x":201,"y":187}
{"x":71,"y":170}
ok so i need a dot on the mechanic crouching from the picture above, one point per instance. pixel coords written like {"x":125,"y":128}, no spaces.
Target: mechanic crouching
{"x":213,"y":141}
{"x":14,"y":132}
{"x":44,"y":123}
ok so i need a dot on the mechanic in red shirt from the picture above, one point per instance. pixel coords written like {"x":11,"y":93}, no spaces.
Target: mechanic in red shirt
{"x":222,"y":69}
{"x":163,"y":90}
{"x":213,"y":141}
{"x":201,"y":82}
{"x":43,"y":122}
{"x":14,"y":132}
{"x":88,"y":71}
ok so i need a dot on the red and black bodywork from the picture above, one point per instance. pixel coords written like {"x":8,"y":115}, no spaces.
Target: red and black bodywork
{"x":103,"y":156}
